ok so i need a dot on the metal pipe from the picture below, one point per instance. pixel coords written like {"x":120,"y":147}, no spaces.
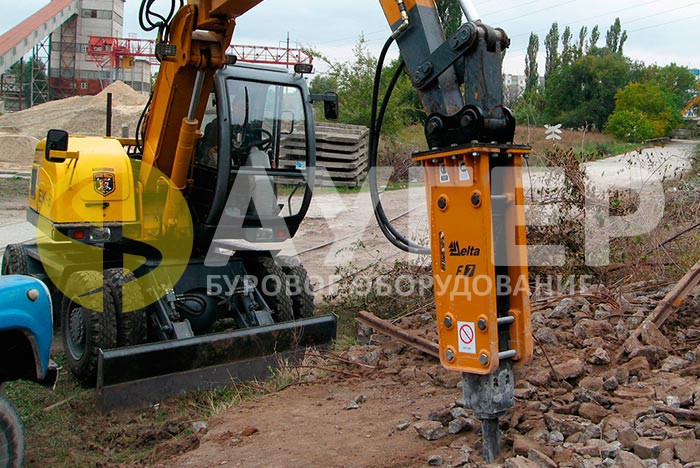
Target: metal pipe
{"x":469,"y":11}
{"x":108,"y":129}
{"x":506,"y":320}
{"x":404,"y":18}
{"x":196,"y":94}
{"x":510,"y":354}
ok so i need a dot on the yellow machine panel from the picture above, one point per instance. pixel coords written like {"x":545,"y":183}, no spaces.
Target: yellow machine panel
{"x":461,"y":202}
{"x":94,"y":187}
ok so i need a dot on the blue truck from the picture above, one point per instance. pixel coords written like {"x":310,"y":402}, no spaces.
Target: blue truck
{"x":26,"y":332}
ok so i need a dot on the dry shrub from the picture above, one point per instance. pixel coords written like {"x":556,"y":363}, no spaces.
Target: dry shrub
{"x":396,"y":153}
{"x":565,"y":201}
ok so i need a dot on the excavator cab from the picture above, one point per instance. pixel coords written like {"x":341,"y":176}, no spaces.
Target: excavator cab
{"x":249,"y":184}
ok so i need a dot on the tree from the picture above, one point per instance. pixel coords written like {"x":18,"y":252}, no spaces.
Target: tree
{"x":531,"y":74}
{"x":582,"y":40}
{"x":354,"y":81}
{"x":630,"y":125}
{"x":675,"y":80}
{"x":551,"y":45}
{"x":450,"y":14}
{"x":322,"y":83}
{"x":623,"y":39}
{"x":566,"y":40}
{"x":584,"y":91}
{"x":595,"y":36}
{"x":569,"y":51}
{"x":615,"y":37}
{"x":644,"y":111}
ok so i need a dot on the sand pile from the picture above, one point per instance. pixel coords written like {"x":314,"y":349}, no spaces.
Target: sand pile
{"x":84,"y":115}
{"x":16,"y":149}
{"x":80,"y":115}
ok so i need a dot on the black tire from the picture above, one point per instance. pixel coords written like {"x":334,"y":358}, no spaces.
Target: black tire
{"x":299,"y":287}
{"x":15,"y":260}
{"x":273,"y":286}
{"x":85,"y":330}
{"x":132,"y":326}
{"x":11,"y":436}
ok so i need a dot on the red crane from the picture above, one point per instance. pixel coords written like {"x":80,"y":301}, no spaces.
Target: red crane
{"x":119,"y":52}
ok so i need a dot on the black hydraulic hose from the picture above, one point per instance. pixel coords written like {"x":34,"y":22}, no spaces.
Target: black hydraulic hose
{"x":148,"y":21}
{"x":393,"y":235}
{"x":139,"y":125}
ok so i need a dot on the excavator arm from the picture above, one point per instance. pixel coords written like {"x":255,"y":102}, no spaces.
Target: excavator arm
{"x":191,"y":48}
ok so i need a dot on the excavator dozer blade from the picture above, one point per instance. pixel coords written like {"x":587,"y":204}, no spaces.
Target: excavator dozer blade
{"x":140,"y":376}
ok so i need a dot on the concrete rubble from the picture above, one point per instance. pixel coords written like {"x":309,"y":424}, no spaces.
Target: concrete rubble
{"x":586,"y":409}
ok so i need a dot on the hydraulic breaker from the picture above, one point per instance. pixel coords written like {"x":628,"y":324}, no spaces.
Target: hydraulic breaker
{"x":479,"y":258}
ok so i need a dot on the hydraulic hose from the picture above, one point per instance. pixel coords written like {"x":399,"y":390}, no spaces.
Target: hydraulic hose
{"x":389,"y":231}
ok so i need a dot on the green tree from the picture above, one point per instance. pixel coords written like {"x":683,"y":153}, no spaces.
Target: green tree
{"x":674,"y":79}
{"x":583,"y":92}
{"x":615,"y":38}
{"x":644,"y":111}
{"x":582,"y":41}
{"x":551,"y":46}
{"x":450,"y":15}
{"x":569,"y":51}
{"x":354,"y":81}
{"x":566,"y":40}
{"x":630,"y":125}
{"x":322,"y":83}
{"x":531,"y":73}
{"x":595,"y":37}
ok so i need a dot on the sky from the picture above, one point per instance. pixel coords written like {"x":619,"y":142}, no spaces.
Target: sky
{"x":659,"y":32}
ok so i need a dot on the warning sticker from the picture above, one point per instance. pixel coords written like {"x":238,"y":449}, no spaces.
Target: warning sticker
{"x":464,"y":172}
{"x":466,"y":337}
{"x":444,"y":175}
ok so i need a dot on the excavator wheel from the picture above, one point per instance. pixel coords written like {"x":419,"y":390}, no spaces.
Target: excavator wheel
{"x":132,"y":326}
{"x":86,"y":331}
{"x":273,"y":286}
{"x":15,"y":260}
{"x":11,"y":436}
{"x":300,"y":287}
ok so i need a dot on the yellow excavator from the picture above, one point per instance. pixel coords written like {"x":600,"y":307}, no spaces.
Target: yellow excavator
{"x":161,"y":251}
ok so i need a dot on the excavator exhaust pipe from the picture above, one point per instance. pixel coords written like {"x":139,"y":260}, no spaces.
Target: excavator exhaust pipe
{"x":140,"y":376}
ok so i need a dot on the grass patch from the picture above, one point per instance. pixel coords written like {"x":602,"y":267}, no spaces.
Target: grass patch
{"x":64,"y":428}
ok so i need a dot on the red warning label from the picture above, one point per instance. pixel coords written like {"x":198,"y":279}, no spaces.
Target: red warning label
{"x":467,"y":342}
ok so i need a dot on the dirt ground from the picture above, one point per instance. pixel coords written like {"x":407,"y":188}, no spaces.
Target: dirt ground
{"x":309,"y":425}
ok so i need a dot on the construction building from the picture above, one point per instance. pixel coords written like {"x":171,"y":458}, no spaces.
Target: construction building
{"x":50,"y":54}
{"x":76,"y":47}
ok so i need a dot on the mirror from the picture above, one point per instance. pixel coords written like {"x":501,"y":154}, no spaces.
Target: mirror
{"x":331,"y":108}
{"x":287,"y":121}
{"x":56,"y":140}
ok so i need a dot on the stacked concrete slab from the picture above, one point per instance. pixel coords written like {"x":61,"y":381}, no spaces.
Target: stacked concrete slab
{"x":341,"y":150}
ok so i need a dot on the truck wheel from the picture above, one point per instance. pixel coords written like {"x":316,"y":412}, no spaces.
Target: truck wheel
{"x":132,"y":326}
{"x":11,"y":436}
{"x":300,"y":287}
{"x":15,"y":260}
{"x":86,"y":331}
{"x":273,"y":286}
